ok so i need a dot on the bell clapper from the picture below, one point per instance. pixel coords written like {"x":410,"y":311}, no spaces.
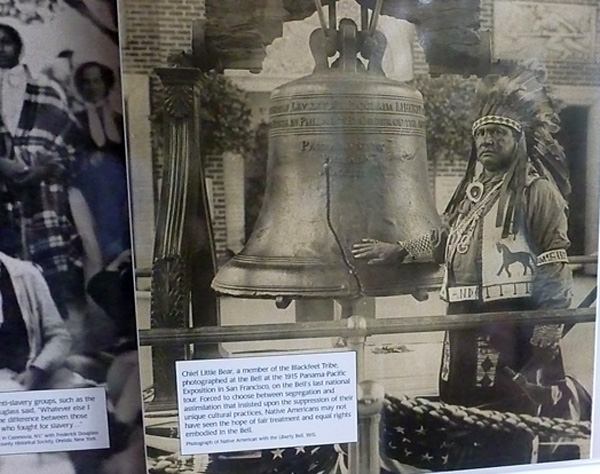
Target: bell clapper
{"x":282,"y":302}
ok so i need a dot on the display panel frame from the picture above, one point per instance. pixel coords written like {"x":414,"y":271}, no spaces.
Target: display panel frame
{"x":259,"y":87}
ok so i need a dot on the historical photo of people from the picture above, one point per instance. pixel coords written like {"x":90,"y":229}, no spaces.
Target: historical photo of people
{"x":413,"y":181}
{"x":67,"y":316}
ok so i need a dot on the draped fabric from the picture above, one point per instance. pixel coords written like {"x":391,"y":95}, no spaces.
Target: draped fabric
{"x":36,"y":220}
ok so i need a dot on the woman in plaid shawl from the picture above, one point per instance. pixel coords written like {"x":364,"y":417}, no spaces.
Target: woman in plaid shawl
{"x":35,"y":164}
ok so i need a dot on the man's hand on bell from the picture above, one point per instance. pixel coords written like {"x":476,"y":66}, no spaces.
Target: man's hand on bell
{"x":376,"y":252}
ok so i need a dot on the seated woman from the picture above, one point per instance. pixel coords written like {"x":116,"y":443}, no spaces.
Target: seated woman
{"x":34,"y":339}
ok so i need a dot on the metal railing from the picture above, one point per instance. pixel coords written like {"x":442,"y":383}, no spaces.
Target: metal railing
{"x":348,"y":328}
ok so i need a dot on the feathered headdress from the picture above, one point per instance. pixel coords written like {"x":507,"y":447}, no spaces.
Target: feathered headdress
{"x":515,"y":96}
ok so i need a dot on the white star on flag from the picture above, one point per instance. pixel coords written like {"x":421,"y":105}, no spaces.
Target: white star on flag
{"x":277,"y":453}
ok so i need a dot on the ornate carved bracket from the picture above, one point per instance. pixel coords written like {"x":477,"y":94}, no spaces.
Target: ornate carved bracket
{"x":181,"y":89}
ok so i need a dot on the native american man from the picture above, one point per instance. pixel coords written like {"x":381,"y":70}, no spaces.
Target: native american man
{"x":504,"y":249}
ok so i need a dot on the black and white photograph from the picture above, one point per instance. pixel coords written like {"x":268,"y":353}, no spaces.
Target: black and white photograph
{"x":416,"y":181}
{"x":67,"y":316}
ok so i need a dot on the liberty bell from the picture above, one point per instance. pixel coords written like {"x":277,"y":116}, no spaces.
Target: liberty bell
{"x":347,"y":161}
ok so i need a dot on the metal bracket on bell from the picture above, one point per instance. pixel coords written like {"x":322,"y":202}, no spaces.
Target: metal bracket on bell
{"x":373,"y":48}
{"x":348,"y":60}
{"x":348,"y":40}
{"x":367,"y":25}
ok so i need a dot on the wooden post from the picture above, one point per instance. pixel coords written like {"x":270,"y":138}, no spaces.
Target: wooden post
{"x":171,"y":272}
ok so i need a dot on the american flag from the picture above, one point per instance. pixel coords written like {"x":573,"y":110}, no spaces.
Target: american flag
{"x":411,"y":439}
{"x":410,"y":443}
{"x":328,"y":459}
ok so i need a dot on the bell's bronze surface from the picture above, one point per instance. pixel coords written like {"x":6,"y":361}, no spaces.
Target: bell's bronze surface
{"x":347,"y":161}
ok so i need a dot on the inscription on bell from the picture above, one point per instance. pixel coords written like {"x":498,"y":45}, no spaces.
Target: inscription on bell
{"x":368,"y":158}
{"x":291,"y":114}
{"x":409,"y":125}
{"x":346,"y":104}
{"x":363,"y":146}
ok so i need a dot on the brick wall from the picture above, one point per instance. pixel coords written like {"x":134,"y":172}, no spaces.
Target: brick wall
{"x":155,"y":29}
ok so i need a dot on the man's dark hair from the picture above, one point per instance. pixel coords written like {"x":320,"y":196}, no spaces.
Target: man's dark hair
{"x":107,"y":74}
{"x":15,"y":36}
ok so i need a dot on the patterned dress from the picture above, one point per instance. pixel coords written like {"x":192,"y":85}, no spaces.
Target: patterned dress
{"x":36,"y":218}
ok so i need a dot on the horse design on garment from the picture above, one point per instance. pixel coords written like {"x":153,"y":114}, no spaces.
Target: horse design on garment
{"x":494,"y":258}
{"x":507,"y":263}
{"x":509,"y":258}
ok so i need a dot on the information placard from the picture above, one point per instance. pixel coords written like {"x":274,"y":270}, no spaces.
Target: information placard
{"x":266,"y":402}
{"x":53,"y":420}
